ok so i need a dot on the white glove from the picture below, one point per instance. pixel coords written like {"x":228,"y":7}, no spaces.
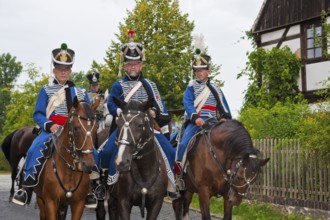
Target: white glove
{"x":119,"y":111}
{"x":107,"y":120}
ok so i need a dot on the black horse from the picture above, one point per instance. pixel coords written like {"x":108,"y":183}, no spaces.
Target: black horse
{"x":14,"y":147}
{"x":142,"y":180}
{"x":222,"y":161}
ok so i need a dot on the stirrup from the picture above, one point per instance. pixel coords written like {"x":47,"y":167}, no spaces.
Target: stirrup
{"x":179,"y":182}
{"x":100,"y":191}
{"x":18,"y":202}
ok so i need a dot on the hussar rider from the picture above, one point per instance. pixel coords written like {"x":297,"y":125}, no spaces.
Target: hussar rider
{"x":134,"y":86}
{"x":203,"y":101}
{"x":50,"y":113}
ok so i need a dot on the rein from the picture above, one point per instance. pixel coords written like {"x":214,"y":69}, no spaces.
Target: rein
{"x":229,"y":175}
{"x":73,"y":151}
{"x":126,"y":127}
{"x":123,"y":134}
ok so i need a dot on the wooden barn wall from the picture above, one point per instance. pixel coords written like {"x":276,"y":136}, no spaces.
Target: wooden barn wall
{"x":279,"y":13}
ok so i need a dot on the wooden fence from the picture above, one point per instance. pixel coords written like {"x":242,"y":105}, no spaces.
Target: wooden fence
{"x":292,"y":176}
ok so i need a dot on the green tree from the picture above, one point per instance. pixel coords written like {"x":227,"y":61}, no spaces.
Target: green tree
{"x":273,"y":76}
{"x":166,"y":36}
{"x":20,"y":109}
{"x":9,"y":71}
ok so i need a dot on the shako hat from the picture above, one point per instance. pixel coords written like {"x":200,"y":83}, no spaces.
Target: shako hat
{"x":63,"y":56}
{"x":132,"y":51}
{"x":201,"y":61}
{"x":93,"y":78}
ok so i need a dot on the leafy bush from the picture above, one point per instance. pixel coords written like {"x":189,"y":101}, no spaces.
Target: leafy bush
{"x":280,"y":121}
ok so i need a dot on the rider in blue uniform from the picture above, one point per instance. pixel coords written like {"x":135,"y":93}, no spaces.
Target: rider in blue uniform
{"x":50,"y":113}
{"x":134,"y":86}
{"x":203,"y":101}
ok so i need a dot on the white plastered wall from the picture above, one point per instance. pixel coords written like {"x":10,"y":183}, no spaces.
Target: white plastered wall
{"x":316,"y":73}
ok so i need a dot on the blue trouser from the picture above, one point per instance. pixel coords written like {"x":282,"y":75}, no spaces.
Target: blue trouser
{"x":108,"y":154}
{"x":35,"y":159}
{"x":189,"y":131}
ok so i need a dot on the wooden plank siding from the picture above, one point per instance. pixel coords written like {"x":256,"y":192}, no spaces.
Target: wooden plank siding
{"x":280,"y":13}
{"x":292,"y":177}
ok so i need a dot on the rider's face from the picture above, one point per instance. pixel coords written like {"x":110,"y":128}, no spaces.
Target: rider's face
{"x":133,"y":68}
{"x":202,"y":74}
{"x":62,"y":73}
{"x":95,"y":87}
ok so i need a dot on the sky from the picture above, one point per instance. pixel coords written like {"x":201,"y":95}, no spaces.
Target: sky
{"x":30,"y":30}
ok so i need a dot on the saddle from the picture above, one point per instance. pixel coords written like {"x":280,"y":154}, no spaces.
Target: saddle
{"x":50,"y":145}
{"x":184,"y":167}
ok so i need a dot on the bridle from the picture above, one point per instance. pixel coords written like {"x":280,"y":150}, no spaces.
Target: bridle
{"x":74,"y":151}
{"x":229,"y":174}
{"x":140,"y":145}
{"x":126,"y":130}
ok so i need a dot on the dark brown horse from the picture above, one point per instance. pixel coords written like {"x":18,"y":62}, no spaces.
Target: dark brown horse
{"x":222,"y":161}
{"x":14,"y":147}
{"x":142,"y":180}
{"x":65,"y":177}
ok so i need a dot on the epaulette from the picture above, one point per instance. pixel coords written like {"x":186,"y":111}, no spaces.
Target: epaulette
{"x":191,"y":83}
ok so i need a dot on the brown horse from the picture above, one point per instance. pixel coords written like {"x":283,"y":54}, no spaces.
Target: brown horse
{"x":142,"y":180}
{"x":65,"y":177}
{"x":222,"y":161}
{"x":14,"y":147}
{"x":17,"y":143}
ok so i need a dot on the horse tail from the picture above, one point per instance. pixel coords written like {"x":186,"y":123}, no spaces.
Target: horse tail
{"x":6,"y":145}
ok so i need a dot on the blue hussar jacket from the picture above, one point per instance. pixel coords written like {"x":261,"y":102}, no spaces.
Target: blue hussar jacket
{"x":46,"y":92}
{"x":210,"y":107}
{"x":148,"y":90}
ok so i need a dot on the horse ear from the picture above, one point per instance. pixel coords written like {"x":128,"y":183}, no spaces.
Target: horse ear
{"x":264,"y":162}
{"x":148,"y":104}
{"x":75,"y":102}
{"x":120,"y":103}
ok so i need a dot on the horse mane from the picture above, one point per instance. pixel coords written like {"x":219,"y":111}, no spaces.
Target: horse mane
{"x":6,"y":144}
{"x":237,"y":143}
{"x":133,"y":105}
{"x":236,"y":139}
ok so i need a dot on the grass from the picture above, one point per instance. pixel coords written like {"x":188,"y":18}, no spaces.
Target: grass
{"x":249,"y":210}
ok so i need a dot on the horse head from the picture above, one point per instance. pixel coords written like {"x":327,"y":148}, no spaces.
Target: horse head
{"x":243,"y":172}
{"x":135,"y":131}
{"x":80,"y":132}
{"x":244,"y":164}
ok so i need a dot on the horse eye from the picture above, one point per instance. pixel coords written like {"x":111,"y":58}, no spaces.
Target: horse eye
{"x":240,"y":178}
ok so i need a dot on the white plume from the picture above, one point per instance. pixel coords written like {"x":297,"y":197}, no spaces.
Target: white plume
{"x":199,"y":42}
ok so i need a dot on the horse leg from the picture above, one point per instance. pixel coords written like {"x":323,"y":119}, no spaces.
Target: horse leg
{"x":204,"y":203}
{"x":113,"y":208}
{"x":153,"y":210}
{"x":177,"y":205}
{"x":62,"y":211}
{"x":41,"y":205}
{"x":124,"y":209}
{"x":12,"y":189}
{"x":50,"y":210}
{"x":228,"y":208}
{"x":187,"y":197}
{"x":100,"y":210}
{"x":77,"y":209}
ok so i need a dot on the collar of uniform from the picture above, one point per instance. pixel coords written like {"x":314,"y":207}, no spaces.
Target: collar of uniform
{"x":69,"y":83}
{"x":129,"y":78}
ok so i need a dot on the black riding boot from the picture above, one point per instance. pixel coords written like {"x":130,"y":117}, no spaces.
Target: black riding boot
{"x":23,"y":196}
{"x":91,"y":200}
